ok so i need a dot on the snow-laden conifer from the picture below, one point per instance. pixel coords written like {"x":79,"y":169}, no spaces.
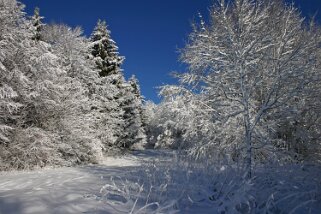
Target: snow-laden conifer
{"x":105,"y":51}
{"x":37,"y":25}
{"x":133,"y":131}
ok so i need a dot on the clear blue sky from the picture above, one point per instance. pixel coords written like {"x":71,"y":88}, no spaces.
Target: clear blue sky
{"x":147,"y":32}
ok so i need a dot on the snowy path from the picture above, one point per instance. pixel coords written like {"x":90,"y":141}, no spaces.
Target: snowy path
{"x":76,"y":190}
{"x":63,"y":190}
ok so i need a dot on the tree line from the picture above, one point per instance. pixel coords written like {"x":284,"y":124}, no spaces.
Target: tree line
{"x":63,"y":97}
{"x":251,"y":93}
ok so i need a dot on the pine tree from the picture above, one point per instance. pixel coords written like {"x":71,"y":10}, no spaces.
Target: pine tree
{"x":105,"y":51}
{"x":37,"y":25}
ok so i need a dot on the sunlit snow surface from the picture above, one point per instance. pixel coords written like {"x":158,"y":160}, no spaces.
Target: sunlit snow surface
{"x":64,"y":190}
{"x":157,"y":182}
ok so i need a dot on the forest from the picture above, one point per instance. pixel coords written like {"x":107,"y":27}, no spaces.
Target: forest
{"x":239,"y":133}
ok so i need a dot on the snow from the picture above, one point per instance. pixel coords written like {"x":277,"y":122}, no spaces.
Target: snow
{"x":153,"y":181}
{"x":64,"y":190}
{"x":244,"y":118}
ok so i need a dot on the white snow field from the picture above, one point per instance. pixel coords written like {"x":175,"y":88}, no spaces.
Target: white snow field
{"x":68,"y":189}
{"x":61,"y":190}
{"x":156,"y":182}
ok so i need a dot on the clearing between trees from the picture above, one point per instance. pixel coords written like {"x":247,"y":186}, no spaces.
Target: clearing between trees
{"x":159,"y":182}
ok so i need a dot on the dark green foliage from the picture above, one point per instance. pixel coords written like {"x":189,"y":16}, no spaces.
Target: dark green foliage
{"x":37,"y":25}
{"x":105,"y":51}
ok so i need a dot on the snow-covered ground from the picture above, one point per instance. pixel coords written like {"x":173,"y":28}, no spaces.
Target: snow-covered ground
{"x":157,"y":182}
{"x":63,"y":190}
{"x":73,"y":190}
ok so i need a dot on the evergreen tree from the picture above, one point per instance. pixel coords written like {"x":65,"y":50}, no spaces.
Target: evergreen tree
{"x":107,"y":90}
{"x":124,"y":117}
{"x":37,"y":25}
{"x":139,"y":99}
{"x":133,"y":131}
{"x":105,"y":51}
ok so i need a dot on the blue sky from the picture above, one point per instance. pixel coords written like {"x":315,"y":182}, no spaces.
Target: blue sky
{"x":149,"y":33}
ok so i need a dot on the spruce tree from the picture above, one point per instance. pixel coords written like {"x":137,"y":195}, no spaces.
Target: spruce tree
{"x":105,"y":51}
{"x":133,"y":134}
{"x":37,"y":25}
{"x":108,"y":89}
{"x":124,"y":106}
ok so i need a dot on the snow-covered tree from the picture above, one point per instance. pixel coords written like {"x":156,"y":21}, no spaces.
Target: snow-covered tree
{"x":183,"y":120}
{"x":98,"y":109}
{"x":12,"y":79}
{"x":37,"y":25}
{"x":106,"y":90}
{"x":58,"y":106}
{"x":131,"y":102}
{"x":124,"y":104}
{"x":252,"y":61}
{"x":105,"y":51}
{"x":17,"y":91}
{"x":43,"y":105}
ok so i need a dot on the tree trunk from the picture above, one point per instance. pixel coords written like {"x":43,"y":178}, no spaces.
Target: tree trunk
{"x":248,"y":159}
{"x":248,"y":143}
